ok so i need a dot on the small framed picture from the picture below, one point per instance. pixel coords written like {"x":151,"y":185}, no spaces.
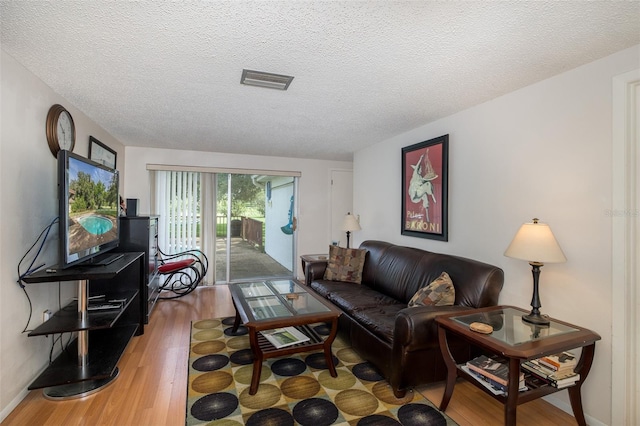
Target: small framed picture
{"x":100,"y":153}
{"x":425,"y":206}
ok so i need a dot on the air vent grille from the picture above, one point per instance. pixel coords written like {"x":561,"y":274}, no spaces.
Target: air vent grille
{"x":265,"y":79}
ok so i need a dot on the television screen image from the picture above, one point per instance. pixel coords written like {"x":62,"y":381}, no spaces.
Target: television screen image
{"x":89,"y":208}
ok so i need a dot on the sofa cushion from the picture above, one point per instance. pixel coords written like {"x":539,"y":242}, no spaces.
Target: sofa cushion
{"x":440,"y":292}
{"x":345,"y":264}
{"x":379,"y":320}
{"x":351,"y":297}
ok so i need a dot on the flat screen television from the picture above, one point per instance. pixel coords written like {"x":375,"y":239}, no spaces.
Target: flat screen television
{"x":89,"y":211}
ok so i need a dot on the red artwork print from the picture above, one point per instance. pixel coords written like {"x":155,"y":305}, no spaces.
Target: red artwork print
{"x":424,"y":198}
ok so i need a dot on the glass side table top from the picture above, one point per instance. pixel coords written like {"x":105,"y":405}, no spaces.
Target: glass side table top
{"x":509,"y":328}
{"x":315,"y":257}
{"x":278,"y":298}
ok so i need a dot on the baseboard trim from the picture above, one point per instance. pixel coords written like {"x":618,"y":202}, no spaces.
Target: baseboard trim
{"x":25,"y":391}
{"x":567,"y":409}
{"x":13,"y":404}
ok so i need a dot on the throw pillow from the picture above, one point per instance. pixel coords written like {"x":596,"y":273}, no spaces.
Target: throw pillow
{"x":439,"y":293}
{"x":345,"y":264}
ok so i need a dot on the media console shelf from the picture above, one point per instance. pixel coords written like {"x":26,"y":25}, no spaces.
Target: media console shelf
{"x":108,"y":331}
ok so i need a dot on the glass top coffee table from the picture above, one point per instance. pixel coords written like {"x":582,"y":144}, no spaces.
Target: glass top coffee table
{"x":268,"y":305}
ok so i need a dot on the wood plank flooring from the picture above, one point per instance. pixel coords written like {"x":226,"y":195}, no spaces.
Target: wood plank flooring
{"x":151,"y":389}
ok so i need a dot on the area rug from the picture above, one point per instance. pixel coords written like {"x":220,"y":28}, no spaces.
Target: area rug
{"x":294,"y":390}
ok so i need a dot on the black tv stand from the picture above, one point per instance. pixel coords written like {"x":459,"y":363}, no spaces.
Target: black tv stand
{"x":109,"y":331}
{"x":103,"y":260}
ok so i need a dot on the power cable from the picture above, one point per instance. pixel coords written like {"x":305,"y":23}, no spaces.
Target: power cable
{"x":31,"y":269}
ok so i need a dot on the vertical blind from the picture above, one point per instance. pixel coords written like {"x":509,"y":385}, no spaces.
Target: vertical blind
{"x":177,"y":200}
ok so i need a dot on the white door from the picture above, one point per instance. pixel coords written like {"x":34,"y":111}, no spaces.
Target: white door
{"x":341,"y":204}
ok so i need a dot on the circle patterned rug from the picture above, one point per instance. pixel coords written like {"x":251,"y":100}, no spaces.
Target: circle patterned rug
{"x":294,"y":390}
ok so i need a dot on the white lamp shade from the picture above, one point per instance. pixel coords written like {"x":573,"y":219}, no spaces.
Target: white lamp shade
{"x":535,"y":242}
{"x":350,"y":223}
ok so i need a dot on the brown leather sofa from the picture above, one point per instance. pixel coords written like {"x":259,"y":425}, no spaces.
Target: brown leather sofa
{"x":402,"y":342}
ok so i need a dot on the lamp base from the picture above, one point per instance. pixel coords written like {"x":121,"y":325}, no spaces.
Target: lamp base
{"x":535,"y":318}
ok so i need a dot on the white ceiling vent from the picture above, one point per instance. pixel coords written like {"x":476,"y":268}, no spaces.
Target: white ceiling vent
{"x":265,"y":79}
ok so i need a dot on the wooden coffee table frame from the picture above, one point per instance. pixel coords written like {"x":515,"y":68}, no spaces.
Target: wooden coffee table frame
{"x":516,"y":354}
{"x":263,"y":349}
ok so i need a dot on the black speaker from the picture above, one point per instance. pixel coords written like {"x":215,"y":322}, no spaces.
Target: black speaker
{"x":132,"y":206}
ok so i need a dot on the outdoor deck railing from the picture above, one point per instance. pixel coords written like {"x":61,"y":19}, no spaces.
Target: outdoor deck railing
{"x":252,"y":232}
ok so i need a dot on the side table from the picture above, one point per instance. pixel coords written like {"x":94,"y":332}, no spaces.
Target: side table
{"x":307,"y":259}
{"x":517,"y":341}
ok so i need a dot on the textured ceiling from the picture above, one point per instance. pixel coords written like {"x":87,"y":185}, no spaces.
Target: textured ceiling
{"x":167,"y":74}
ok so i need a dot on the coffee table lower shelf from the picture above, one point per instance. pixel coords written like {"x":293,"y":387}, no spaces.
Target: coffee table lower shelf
{"x":263,"y":349}
{"x":314,"y":338}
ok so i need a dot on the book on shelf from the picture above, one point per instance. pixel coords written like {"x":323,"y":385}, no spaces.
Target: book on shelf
{"x":564,"y":361}
{"x":493,"y":386}
{"x":553,"y":378}
{"x":565,"y":382}
{"x":540,"y":369}
{"x":535,"y":381}
{"x":495,"y":368}
{"x":283,"y":337}
{"x":534,"y":368}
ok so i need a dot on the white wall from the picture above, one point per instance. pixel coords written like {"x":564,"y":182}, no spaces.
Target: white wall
{"x":543,"y":151}
{"x":279,"y":245}
{"x":28,"y":203}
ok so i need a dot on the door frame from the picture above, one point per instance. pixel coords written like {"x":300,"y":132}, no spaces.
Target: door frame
{"x":625,"y":255}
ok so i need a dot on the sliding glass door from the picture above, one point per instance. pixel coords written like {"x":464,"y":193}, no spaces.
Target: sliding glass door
{"x":254,"y":227}
{"x":244,"y":223}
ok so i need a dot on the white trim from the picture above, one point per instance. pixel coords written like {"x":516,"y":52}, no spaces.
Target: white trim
{"x":624,"y":215}
{"x":591,"y":421}
{"x":13,"y":404}
{"x":177,"y":168}
{"x":25,"y":391}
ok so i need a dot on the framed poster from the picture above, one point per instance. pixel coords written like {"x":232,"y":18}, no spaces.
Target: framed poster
{"x":100,"y":153}
{"x":425,"y":189}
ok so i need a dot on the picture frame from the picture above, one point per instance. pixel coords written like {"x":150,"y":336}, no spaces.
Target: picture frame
{"x":100,"y":153}
{"x":425,"y":186}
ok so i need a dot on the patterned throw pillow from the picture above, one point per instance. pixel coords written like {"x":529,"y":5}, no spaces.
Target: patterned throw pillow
{"x":345,"y":264}
{"x":439,"y":293}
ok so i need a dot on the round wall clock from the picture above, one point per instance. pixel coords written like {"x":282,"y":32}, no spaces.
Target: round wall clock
{"x":61,"y":132}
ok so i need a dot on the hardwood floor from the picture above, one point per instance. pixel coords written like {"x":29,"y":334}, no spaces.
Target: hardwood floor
{"x":151,"y":388}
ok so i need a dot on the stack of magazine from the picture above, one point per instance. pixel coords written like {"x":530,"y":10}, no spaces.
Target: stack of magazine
{"x":555,"y":370}
{"x":283,"y":337}
{"x":492,"y":373}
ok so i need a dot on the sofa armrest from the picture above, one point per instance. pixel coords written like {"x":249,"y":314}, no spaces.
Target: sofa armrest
{"x":314,"y":271}
{"x":415,"y":328}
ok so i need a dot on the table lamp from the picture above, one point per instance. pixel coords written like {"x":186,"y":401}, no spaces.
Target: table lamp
{"x":536,"y":244}
{"x":350,"y":224}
